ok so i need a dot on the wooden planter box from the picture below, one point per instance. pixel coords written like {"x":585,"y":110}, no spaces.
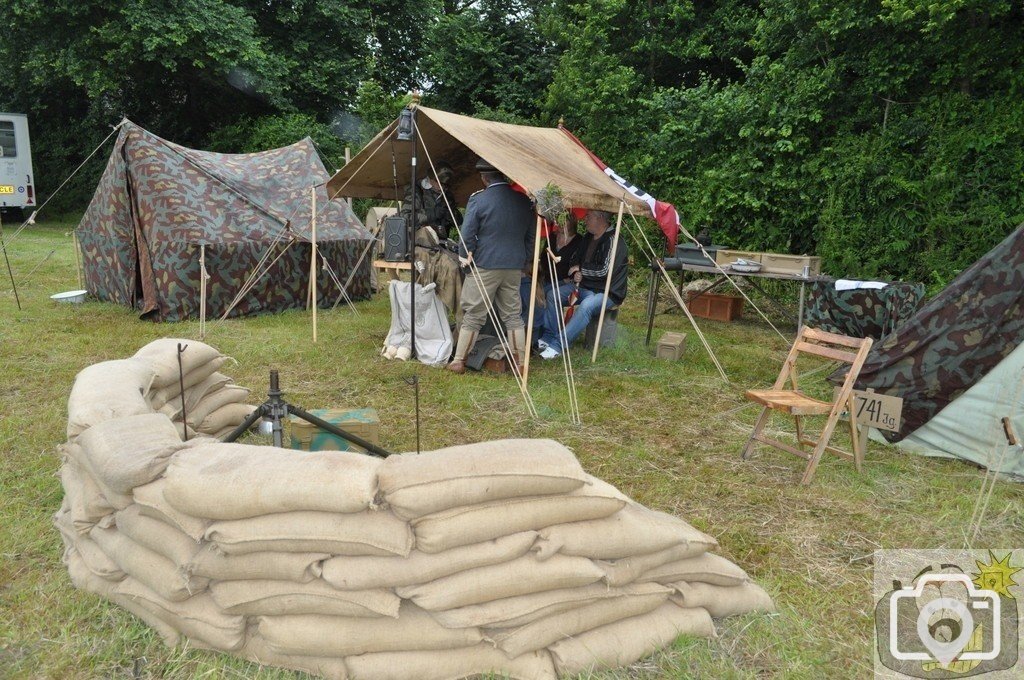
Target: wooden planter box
{"x":716,"y":307}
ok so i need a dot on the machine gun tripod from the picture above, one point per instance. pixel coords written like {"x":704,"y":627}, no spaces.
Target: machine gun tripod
{"x":275,"y":408}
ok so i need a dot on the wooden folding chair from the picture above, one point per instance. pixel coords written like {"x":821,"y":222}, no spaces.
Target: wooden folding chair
{"x":797,"y":404}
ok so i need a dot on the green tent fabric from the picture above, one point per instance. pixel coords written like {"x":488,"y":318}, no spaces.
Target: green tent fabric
{"x":958,"y":365}
{"x":158,"y":205}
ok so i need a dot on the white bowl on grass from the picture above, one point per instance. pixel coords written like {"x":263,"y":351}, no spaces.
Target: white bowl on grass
{"x":71,"y":296}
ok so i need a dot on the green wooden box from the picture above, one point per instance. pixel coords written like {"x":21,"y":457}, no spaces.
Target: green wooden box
{"x":362,"y":422}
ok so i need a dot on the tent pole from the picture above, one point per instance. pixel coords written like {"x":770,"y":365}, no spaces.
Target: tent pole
{"x":202,"y":291}
{"x":608,"y":283}
{"x":533,"y":303}
{"x":312,"y":262}
{"x":78,"y":259}
{"x":412,"y":240}
{"x":348,"y":157}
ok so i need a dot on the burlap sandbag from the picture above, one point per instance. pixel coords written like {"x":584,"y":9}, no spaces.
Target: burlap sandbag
{"x":194,"y":396}
{"x":108,"y":390}
{"x":512,"y":612}
{"x":625,"y":642}
{"x":162,"y":357}
{"x":229,"y":415}
{"x":234,"y":481}
{"x":278,"y":598}
{"x":567,"y":624}
{"x":198,"y":618}
{"x":629,"y":569}
{"x":160,"y":537}
{"x":723,"y":600}
{"x":521,"y":576}
{"x":634,"y":530}
{"x":298,"y":567}
{"x":416,"y":485}
{"x":83,"y":577}
{"x":706,"y":568}
{"x":318,"y":635}
{"x":479,"y":660}
{"x":228,"y":394}
{"x":358,"y":533}
{"x":167,"y":632}
{"x":152,"y":503}
{"x":73,"y":452}
{"x":149,"y":568}
{"x":256,"y":649}
{"x":86,"y":504}
{"x":475,"y":523}
{"x":89,"y":555}
{"x":128,"y":452}
{"x":192,"y":379}
{"x":357,"y":573}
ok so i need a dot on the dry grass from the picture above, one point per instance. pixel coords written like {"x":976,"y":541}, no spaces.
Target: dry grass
{"x":668,"y":434}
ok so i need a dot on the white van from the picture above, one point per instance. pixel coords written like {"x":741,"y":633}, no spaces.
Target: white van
{"x":17,"y":188}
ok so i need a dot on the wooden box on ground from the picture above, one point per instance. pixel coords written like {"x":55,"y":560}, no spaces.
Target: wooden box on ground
{"x":775,"y":263}
{"x":362,"y":422}
{"x":716,"y":307}
{"x":671,"y":346}
{"x":724,"y":257}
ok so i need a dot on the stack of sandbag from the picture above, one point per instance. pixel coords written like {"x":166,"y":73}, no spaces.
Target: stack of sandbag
{"x":502,"y":557}
{"x":119,"y":445}
{"x":211,"y":404}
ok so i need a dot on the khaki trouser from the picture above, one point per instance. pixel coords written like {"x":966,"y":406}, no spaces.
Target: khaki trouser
{"x":501,"y":286}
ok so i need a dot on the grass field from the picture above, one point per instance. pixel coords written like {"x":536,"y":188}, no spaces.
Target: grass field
{"x":668,"y":434}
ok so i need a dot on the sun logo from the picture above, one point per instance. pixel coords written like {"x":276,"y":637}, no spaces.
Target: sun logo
{"x":996,"y":576}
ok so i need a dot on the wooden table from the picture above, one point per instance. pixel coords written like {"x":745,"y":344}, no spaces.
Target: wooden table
{"x":652,"y":290}
{"x":393,"y":269}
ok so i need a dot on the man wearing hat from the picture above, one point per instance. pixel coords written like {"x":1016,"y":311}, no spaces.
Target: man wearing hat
{"x":497,"y":235}
{"x":428,"y":199}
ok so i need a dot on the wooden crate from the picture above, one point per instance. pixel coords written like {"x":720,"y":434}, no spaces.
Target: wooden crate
{"x":776,"y":263}
{"x":716,"y":307}
{"x":724,"y":257}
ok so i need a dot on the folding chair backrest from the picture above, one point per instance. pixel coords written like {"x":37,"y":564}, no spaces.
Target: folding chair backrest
{"x":828,"y":346}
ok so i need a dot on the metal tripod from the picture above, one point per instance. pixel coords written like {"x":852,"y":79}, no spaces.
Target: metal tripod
{"x":275,"y":408}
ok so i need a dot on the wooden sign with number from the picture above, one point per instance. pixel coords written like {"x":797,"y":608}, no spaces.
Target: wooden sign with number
{"x":878,"y":410}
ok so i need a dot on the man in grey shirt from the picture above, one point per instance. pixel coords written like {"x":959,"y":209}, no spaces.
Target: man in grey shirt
{"x":497,"y":235}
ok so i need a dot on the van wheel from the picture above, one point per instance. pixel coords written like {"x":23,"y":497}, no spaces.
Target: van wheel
{"x":12,"y":215}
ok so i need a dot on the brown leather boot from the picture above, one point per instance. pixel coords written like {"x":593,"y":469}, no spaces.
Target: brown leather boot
{"x":517,"y":344}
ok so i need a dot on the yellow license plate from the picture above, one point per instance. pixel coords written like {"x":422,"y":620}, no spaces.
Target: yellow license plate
{"x":6,"y":189}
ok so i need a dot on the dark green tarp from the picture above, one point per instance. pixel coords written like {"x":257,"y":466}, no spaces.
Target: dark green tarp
{"x":157,"y":203}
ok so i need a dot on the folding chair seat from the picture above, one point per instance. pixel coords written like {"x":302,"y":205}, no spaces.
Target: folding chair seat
{"x":798,"y":405}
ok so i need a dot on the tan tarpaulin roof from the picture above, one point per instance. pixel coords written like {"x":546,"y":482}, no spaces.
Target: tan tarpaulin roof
{"x":529,"y":156}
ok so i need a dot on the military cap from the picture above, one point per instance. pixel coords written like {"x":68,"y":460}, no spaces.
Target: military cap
{"x":483,"y":166}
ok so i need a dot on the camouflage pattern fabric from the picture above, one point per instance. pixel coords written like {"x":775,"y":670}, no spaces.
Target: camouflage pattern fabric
{"x":157,"y":203}
{"x":861,"y":313}
{"x":954,"y":340}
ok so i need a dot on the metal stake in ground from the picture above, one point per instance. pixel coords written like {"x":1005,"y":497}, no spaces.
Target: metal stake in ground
{"x":9,"y":272}
{"x":181,"y":384}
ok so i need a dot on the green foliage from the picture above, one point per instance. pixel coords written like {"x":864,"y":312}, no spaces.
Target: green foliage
{"x":884,"y":136}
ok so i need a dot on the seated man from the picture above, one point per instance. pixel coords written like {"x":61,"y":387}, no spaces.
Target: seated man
{"x":428,"y":198}
{"x":590,"y":275}
{"x":566,"y":246}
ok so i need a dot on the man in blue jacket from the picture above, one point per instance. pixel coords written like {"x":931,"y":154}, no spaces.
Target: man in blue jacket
{"x":497,"y":235}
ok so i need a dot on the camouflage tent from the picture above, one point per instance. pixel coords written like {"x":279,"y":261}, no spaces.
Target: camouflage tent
{"x":160,"y":208}
{"x":958,"y":364}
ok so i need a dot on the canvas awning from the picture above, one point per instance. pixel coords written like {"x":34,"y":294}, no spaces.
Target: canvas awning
{"x":532,"y":157}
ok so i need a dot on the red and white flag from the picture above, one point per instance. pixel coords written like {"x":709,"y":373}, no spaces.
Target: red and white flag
{"x":663,"y":213}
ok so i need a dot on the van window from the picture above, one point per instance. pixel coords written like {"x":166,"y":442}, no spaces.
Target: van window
{"x":8,"y":149}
